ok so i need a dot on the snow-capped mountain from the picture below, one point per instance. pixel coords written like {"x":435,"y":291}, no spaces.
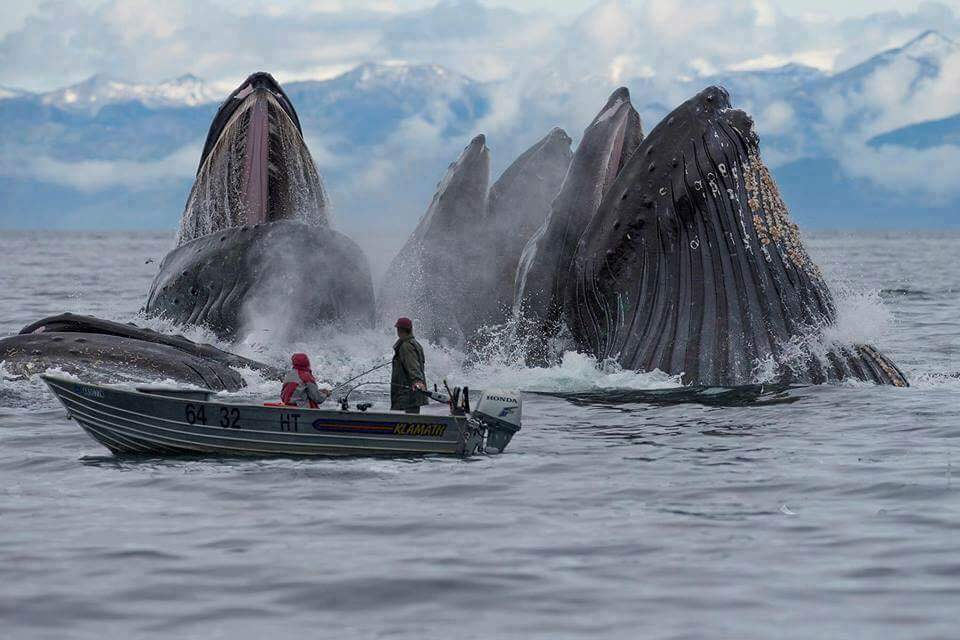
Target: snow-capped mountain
{"x":400,"y":77}
{"x":929,"y":49}
{"x":384,"y":133}
{"x":893,"y":89}
{"x":97,"y":91}
{"x":368,"y":103}
{"x":902,"y":71}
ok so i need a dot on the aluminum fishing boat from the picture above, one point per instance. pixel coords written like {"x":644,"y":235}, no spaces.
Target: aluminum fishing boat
{"x":159,"y":421}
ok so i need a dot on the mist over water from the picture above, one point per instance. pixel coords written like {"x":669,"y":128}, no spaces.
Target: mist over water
{"x":832,"y":512}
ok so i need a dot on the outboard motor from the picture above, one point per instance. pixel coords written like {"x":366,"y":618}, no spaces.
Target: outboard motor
{"x":499,"y":411}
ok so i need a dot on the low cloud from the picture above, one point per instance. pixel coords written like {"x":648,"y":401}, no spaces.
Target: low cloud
{"x":929,"y":174}
{"x":97,"y":175}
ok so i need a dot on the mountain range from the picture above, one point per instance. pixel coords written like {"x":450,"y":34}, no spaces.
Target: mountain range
{"x":849,"y":149}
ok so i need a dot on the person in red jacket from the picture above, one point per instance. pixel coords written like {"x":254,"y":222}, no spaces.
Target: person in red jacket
{"x":300,"y":387}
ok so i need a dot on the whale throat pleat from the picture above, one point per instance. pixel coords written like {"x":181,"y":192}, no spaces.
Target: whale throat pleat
{"x":694,"y":249}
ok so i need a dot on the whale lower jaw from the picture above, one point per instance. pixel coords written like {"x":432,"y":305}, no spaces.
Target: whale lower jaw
{"x":286,"y":276}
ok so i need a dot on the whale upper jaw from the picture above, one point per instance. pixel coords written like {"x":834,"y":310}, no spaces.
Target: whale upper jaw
{"x":260,"y":81}
{"x":433,"y":265}
{"x":461,"y":194}
{"x":255,"y":167}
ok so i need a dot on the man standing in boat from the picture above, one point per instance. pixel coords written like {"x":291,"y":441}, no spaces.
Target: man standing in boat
{"x":407,"y":382}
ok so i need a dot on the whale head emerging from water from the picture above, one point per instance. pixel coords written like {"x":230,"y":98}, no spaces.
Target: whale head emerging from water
{"x":691,"y":264}
{"x":455,"y":274}
{"x":607,"y":143}
{"x":255,"y":248}
{"x":255,"y":167}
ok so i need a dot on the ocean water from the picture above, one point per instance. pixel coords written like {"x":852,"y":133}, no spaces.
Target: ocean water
{"x":818,"y":512}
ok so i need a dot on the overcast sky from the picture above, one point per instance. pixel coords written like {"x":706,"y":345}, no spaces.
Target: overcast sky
{"x":50,"y":43}
{"x":16,"y":10}
{"x":829,"y":8}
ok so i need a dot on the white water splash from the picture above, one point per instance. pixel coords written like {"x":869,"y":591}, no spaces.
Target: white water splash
{"x":337,"y":355}
{"x":862,"y":316}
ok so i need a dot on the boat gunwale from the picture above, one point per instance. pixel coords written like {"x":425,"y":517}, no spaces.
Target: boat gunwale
{"x":46,"y":376}
{"x":459,"y":421}
{"x":167,"y":442}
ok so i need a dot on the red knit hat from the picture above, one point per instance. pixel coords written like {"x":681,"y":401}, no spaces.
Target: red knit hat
{"x":300,"y":361}
{"x":404,"y":323}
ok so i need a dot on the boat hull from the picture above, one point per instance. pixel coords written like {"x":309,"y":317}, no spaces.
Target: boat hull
{"x":129,"y":422}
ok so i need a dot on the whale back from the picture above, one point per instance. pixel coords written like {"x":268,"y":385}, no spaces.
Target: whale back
{"x":108,"y":351}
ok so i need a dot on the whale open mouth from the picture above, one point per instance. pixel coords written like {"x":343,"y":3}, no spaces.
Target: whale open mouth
{"x":617,"y":155}
{"x":692,"y":265}
{"x":254,"y":237}
{"x":255,"y":167}
{"x":260,"y":81}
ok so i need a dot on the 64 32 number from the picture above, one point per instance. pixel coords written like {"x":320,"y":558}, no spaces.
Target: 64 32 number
{"x":229,"y":416}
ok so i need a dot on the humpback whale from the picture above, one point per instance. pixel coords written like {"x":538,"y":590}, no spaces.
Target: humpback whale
{"x":456,"y":272}
{"x":254,"y":245}
{"x":518,"y":203}
{"x":691,"y":265}
{"x":255,"y":233}
{"x":436,"y":264}
{"x":105,"y":350}
{"x":673,"y":252}
{"x":608,"y":141}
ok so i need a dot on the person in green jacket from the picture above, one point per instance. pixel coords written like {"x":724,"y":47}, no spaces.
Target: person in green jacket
{"x":407,"y":382}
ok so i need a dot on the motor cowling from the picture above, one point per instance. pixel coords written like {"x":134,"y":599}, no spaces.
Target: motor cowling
{"x":499,"y":411}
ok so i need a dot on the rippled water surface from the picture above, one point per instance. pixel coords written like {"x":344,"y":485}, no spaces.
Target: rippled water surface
{"x":829,"y":512}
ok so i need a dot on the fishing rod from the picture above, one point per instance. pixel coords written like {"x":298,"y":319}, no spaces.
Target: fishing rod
{"x":434,"y":395}
{"x":359,"y":375}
